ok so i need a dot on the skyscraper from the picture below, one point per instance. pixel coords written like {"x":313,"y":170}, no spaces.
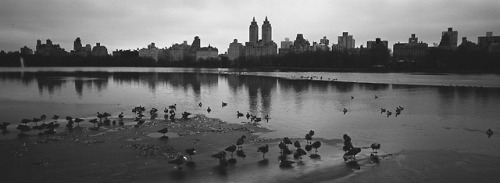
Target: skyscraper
{"x":346,"y":41}
{"x":449,"y":39}
{"x":254,"y":31}
{"x":77,"y":45}
{"x":266,"y":31}
{"x":255,"y":47}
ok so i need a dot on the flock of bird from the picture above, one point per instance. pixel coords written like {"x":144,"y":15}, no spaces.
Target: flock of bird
{"x":349,"y":149}
{"x":103,"y":119}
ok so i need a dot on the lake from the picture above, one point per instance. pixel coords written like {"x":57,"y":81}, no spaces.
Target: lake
{"x":441,"y":111}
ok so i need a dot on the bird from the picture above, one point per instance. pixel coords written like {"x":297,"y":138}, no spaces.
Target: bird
{"x":78,"y":120}
{"x":23,"y":128}
{"x":352,"y":97}
{"x":282,"y":146}
{"x":185,"y":115}
{"x":50,"y":131}
{"x":231,"y":149}
{"x":286,"y":163}
{"x":239,"y":114}
{"x":308,"y":147}
{"x":106,"y":115}
{"x":263,"y":150}
{"x":43,"y":117}
{"x":375,"y":147}
{"x":120,"y":116}
{"x":220,"y":155}
{"x":94,"y":121}
{"x":489,"y":132}
{"x":173,"y":107}
{"x":351,"y":154}
{"x":200,"y":104}
{"x":299,"y":153}
{"x":389,"y":113}
{"x":190,"y":152}
{"x":100,"y":116}
{"x":36,"y":120}
{"x":345,"y":111}
{"x":311,"y":132}
{"x":224,"y":104}
{"x":3,"y":126}
{"x":55,"y":117}
{"x":376,"y":97}
{"x":178,"y":161}
{"x":240,"y":141}
{"x":287,"y":141}
{"x":208,"y":110}
{"x":267,"y":117}
{"x":248,"y":115}
{"x":296,"y":144}
{"x":382,"y":110}
{"x":165,"y":110}
{"x":163,"y":131}
{"x":316,"y":145}
{"x":308,"y":138}
{"x":346,"y":137}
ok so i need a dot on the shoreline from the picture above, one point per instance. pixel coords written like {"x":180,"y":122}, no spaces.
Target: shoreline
{"x":137,"y":154}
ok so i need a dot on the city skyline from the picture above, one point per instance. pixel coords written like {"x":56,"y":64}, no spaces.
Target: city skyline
{"x":132,"y":25}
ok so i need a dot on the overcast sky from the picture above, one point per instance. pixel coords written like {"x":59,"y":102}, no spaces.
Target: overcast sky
{"x":131,"y":24}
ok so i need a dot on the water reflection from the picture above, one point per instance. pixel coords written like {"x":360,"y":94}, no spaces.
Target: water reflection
{"x":293,"y":105}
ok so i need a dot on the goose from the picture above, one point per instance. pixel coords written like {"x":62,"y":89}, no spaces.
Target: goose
{"x":299,"y":153}
{"x":208,"y":110}
{"x":239,"y":114}
{"x":200,"y":104}
{"x":173,"y":106}
{"x":308,"y":138}
{"x":296,"y":144}
{"x":231,"y":149}
{"x":240,"y":141}
{"x":287,"y":141}
{"x":263,"y":150}
{"x":224,"y":104}
{"x":78,"y":120}
{"x":375,"y":147}
{"x":489,"y":132}
{"x":190,"y":152}
{"x":178,"y":161}
{"x":94,"y":121}
{"x":316,"y":145}
{"x":248,"y":115}
{"x":163,"y":132}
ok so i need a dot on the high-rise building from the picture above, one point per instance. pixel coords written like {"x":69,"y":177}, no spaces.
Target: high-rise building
{"x":26,"y":51}
{"x":49,"y":49}
{"x":286,"y":46}
{"x":151,"y":52}
{"x":449,"y":39}
{"x":207,"y":53}
{"x":287,"y":43}
{"x":489,"y":42}
{"x":411,"y":50}
{"x":346,"y":41}
{"x":196,"y":44}
{"x":324,"y":41}
{"x":77,"y":45}
{"x":257,"y":48}
{"x":235,"y":50}
{"x":254,"y":31}
{"x":370,"y":44}
{"x":266,"y":31}
{"x":99,"y":51}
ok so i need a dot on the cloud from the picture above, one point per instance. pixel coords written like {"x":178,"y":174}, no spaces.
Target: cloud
{"x":129,"y":24}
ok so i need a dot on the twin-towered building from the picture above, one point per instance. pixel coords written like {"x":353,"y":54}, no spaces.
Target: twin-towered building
{"x":254,"y":47}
